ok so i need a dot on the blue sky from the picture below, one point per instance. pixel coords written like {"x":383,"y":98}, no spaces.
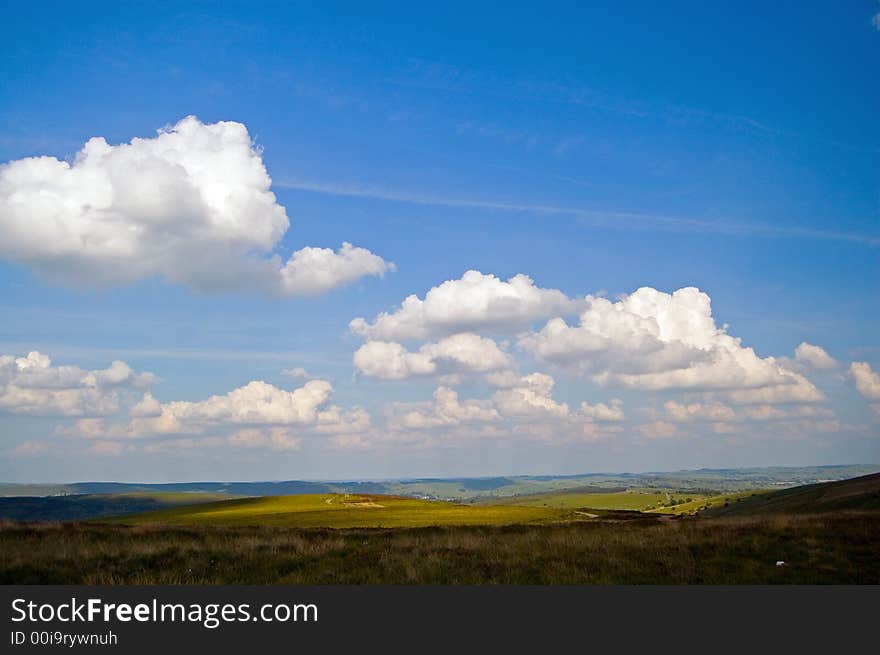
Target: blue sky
{"x":595,"y":150}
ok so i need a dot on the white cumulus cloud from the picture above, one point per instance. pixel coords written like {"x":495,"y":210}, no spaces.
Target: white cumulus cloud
{"x":446,"y":410}
{"x":458,"y":354}
{"x":192,"y":204}
{"x":526,"y":408}
{"x":316,"y":270}
{"x":256,"y":403}
{"x":262,"y":414}
{"x":651,"y":340}
{"x":867,"y":381}
{"x":532,"y":398}
{"x":474,"y":302}
{"x":685,"y":412}
{"x":814,"y":357}
{"x":717,"y":412}
{"x":611,"y":411}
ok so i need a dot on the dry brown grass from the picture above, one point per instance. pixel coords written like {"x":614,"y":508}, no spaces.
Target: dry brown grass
{"x":821,"y":549}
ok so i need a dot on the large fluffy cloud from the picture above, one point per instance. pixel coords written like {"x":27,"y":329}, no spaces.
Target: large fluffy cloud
{"x":192,"y":205}
{"x":652,"y":340}
{"x":31,"y":385}
{"x":458,"y":354}
{"x":472,"y":303}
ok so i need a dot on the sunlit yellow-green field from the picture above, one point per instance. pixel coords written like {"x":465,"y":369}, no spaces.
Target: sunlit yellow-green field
{"x":346,"y":511}
{"x":622,"y":500}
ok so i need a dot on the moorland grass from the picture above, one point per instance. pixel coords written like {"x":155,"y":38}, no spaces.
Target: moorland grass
{"x":839,"y":548}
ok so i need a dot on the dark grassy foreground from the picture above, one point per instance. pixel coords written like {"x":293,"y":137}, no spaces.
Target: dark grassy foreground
{"x":829,"y":548}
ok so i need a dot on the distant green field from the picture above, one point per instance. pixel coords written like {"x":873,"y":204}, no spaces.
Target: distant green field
{"x":623,"y":500}
{"x":345,"y":511}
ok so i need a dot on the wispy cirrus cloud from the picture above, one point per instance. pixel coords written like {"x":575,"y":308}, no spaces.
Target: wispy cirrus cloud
{"x":610,"y":219}
{"x":422,"y":74}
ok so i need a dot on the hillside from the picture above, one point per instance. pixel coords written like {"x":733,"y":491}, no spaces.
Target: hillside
{"x":862,"y":493}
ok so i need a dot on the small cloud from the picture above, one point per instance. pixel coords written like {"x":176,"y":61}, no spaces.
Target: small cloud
{"x":298,"y":373}
{"x":276,"y":438}
{"x":658,"y":430}
{"x":567,"y":144}
{"x":29,"y":449}
{"x":814,"y":357}
{"x":866,"y":380}
{"x":106,"y":448}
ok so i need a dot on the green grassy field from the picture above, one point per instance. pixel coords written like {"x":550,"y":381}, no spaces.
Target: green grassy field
{"x":345,"y":511}
{"x":623,"y":500}
{"x":703,"y":503}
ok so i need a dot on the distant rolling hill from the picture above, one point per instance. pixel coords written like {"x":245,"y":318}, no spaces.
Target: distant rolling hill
{"x":88,"y":506}
{"x":705,"y":488}
{"x":862,"y":493}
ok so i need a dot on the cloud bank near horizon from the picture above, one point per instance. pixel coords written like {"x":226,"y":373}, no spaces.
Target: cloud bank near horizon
{"x":678,"y":375}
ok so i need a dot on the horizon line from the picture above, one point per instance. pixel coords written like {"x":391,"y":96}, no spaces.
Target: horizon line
{"x":452,"y":477}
